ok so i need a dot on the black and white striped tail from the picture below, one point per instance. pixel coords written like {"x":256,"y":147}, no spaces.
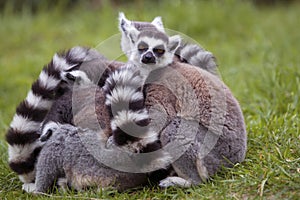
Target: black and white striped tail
{"x":23,"y":132}
{"x":129,"y":117}
{"x":195,"y":55}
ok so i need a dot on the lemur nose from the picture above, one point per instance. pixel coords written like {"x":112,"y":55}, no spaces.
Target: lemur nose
{"x":148,"y":58}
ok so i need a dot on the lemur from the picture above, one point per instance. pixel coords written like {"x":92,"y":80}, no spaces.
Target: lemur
{"x":129,"y":117}
{"x":67,"y":97}
{"x":183,"y":120}
{"x":197,"y":119}
{"x":25,"y":129}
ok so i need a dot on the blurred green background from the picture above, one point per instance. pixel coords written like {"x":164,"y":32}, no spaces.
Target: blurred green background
{"x":256,"y":43}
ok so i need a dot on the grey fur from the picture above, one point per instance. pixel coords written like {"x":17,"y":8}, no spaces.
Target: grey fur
{"x":64,"y":155}
{"x":197,"y":56}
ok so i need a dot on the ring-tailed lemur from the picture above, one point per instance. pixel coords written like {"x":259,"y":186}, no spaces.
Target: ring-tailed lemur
{"x":66,"y":156}
{"x":145,"y":45}
{"x":125,"y":101}
{"x":200,"y":160}
{"x":157,"y":96}
{"x":188,"y":53}
{"x":151,"y":49}
{"x":195,"y":164}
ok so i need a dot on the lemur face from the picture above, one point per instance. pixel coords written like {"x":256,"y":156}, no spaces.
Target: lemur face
{"x":151,"y":49}
{"x":146,"y":44}
{"x":149,"y":54}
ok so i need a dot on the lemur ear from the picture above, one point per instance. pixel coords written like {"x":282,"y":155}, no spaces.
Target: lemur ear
{"x":174,"y":43}
{"x":127,"y":28}
{"x":123,"y":22}
{"x":157,"y":22}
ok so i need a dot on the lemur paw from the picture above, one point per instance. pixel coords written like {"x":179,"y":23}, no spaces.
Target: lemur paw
{"x":48,"y":130}
{"x":29,"y":187}
{"x":174,"y":181}
{"x":63,"y":184}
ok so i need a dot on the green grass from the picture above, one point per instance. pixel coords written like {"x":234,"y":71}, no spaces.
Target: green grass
{"x":258,"y":55}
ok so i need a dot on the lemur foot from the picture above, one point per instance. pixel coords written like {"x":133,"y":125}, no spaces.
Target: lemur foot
{"x":29,"y":187}
{"x":63,"y":184}
{"x":174,"y":181}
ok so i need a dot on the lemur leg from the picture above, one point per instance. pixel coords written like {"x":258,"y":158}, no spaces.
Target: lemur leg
{"x":49,"y":167}
{"x":48,"y":172}
{"x":29,"y":187}
{"x":184,"y":136}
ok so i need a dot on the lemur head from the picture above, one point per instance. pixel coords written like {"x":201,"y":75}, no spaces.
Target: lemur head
{"x":146,"y":44}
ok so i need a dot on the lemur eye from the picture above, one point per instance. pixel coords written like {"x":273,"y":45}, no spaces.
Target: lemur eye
{"x":159,"y":51}
{"x":142,"y":47}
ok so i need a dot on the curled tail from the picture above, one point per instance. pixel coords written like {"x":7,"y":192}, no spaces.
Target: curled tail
{"x":195,"y":55}
{"x":23,"y":132}
{"x":129,"y":117}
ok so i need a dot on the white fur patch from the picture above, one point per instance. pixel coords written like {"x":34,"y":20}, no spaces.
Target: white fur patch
{"x":127,"y":76}
{"x":19,"y":153}
{"x":78,"y":53}
{"x":152,"y":42}
{"x":122,"y":93}
{"x":29,"y":187}
{"x":148,"y":138}
{"x":163,"y":160}
{"x":47,"y":81}
{"x":37,"y":101}
{"x":157,"y":22}
{"x":174,"y":181}
{"x":126,"y":116}
{"x":61,"y":63}
{"x":23,"y":124}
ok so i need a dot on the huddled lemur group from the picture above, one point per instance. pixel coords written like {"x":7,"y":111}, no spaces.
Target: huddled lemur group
{"x":162,"y":116}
